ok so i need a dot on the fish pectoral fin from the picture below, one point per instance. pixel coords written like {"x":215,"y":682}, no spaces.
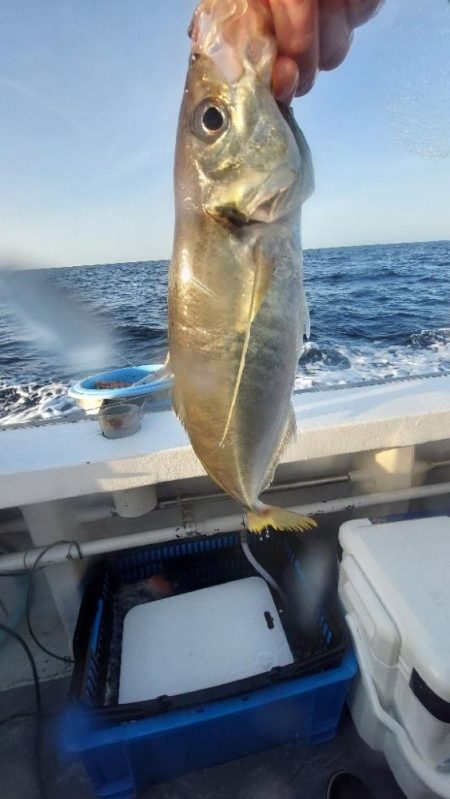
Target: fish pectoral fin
{"x":264,"y":269}
{"x":263,"y":272}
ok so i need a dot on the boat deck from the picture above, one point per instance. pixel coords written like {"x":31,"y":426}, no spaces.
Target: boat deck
{"x":383,"y":448}
{"x":293,"y":771}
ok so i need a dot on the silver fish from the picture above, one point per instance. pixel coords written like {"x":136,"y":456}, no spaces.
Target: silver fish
{"x":237,"y":309}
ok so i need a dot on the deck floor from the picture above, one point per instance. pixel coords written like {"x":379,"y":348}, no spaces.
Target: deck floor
{"x":293,"y":771}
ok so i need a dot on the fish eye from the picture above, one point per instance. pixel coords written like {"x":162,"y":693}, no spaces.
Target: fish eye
{"x":211,"y":119}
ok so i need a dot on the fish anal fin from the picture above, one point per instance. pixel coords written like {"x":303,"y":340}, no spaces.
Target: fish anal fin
{"x":280,"y":519}
{"x":178,"y":406}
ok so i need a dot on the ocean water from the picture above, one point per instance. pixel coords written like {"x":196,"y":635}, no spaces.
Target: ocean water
{"x":377,"y":313}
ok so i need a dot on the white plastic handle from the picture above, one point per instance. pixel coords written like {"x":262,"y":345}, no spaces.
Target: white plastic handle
{"x":438,"y":784}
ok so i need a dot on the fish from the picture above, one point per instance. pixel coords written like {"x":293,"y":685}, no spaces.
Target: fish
{"x":236,"y":303}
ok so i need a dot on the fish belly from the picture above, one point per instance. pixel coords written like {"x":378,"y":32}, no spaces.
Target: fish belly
{"x":234,"y":367}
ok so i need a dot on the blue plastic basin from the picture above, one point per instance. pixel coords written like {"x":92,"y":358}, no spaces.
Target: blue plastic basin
{"x":87,"y":388}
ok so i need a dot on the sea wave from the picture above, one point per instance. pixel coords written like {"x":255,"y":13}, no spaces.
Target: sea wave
{"x":24,"y":403}
{"x":378,"y":313}
{"x":426,"y":353}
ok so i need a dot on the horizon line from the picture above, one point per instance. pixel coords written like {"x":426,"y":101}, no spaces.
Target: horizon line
{"x":306,"y":249}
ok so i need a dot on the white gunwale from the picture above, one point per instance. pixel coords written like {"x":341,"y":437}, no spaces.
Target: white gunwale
{"x":71,"y":459}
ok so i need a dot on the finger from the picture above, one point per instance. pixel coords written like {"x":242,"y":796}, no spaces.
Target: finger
{"x":296,"y":30}
{"x":359,"y":11}
{"x":284,"y":79}
{"x":335,"y":34}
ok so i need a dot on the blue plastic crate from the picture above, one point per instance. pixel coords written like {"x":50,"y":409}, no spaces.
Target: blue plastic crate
{"x":122,"y":758}
{"x":127,"y":747}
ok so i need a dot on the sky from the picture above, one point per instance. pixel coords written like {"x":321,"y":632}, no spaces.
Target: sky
{"x":89,"y":101}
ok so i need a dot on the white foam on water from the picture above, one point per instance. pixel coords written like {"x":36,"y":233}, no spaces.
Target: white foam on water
{"x":31,"y":402}
{"x":427,"y":354}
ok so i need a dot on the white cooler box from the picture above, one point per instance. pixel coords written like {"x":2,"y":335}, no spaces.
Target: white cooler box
{"x":394,"y":583}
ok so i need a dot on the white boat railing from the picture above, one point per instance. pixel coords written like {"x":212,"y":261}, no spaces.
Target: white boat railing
{"x":47,"y":463}
{"x":74,"y":550}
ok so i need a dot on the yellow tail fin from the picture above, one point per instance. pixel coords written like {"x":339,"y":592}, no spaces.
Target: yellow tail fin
{"x":278,"y":518}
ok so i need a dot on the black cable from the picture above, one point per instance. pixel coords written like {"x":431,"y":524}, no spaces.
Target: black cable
{"x":46,"y":549}
{"x":39,"y":715}
{"x":30,"y":657}
{"x":28,"y":569}
{"x":3,"y":607}
{"x":30,"y":572}
{"x":63,"y":658}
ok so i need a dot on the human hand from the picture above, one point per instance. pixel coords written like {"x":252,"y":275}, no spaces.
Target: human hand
{"x":312,"y":35}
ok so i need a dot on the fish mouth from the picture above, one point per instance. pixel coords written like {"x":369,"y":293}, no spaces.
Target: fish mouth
{"x":260,"y":210}
{"x":233,"y":215}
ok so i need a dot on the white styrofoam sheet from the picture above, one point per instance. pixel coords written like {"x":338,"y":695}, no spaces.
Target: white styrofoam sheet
{"x":201,"y":639}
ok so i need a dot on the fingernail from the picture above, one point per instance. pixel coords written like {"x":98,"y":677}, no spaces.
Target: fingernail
{"x":289,"y":90}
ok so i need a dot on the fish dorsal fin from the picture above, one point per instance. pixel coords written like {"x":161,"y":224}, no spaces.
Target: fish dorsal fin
{"x":307,"y":169}
{"x":290,"y":432}
{"x":263,"y":272}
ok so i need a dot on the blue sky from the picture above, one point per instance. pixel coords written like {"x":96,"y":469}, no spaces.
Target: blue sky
{"x":89,"y":98}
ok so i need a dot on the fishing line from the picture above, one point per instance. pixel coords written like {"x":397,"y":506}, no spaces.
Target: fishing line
{"x":257,"y":566}
{"x":119,"y":355}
